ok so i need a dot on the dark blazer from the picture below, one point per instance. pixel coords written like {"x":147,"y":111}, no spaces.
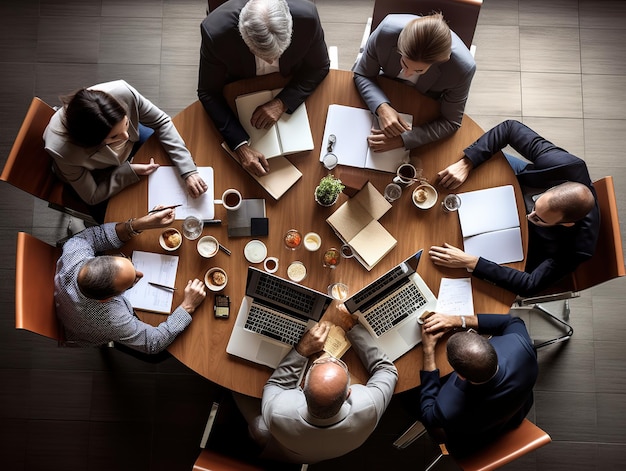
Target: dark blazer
{"x":474,"y":415}
{"x":225,"y":58}
{"x":448,"y":82}
{"x":553,"y":252}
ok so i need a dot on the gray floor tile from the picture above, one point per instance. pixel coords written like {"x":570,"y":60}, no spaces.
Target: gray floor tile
{"x":602,"y":14}
{"x":603,"y":96}
{"x":181,"y":41}
{"x":495,"y":93}
{"x":68,"y":39}
{"x":18,"y":38}
{"x":501,"y":12}
{"x":141,"y":9}
{"x":610,"y":375}
{"x":558,"y":51}
{"x":604,"y":139}
{"x":556,"y":13}
{"x":551,"y":95}
{"x":567,"y":415}
{"x":601,"y":51}
{"x":497,"y":48}
{"x":130,"y":41}
{"x":71,"y":8}
{"x":611,"y":417}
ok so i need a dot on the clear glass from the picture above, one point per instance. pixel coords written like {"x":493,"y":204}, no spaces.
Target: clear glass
{"x":330,"y":161}
{"x":293,"y":239}
{"x":338,"y":291}
{"x":451,"y":203}
{"x":393,"y":191}
{"x":192,"y":227}
{"x":331,"y":258}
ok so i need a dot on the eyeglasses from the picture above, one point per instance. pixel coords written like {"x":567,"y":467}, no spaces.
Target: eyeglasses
{"x":330,"y":359}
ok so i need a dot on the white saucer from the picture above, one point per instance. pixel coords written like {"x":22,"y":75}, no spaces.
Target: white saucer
{"x":255,"y":251}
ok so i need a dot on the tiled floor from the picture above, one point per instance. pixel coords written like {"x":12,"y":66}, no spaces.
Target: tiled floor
{"x":557,"y":65}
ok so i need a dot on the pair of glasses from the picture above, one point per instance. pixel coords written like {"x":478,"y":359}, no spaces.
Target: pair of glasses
{"x":330,"y":359}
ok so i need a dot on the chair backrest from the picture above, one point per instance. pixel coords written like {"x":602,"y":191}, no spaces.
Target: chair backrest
{"x":461,"y":15}
{"x":35,"y":266}
{"x":608,"y":260}
{"x":509,"y":447}
{"x":29,"y":166}
{"x":210,"y":460}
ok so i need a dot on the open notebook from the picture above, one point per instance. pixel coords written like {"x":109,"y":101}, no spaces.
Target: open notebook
{"x":490,"y":224}
{"x":351,"y":126}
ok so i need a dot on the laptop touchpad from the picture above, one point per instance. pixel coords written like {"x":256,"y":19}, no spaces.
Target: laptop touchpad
{"x":408,"y":332}
{"x":270,"y":353}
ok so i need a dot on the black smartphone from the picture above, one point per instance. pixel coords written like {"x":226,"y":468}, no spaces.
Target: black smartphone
{"x":222,"y":306}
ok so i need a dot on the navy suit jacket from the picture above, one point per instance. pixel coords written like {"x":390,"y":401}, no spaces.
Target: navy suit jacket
{"x":473,"y":415}
{"x":225,"y":58}
{"x":553,"y":252}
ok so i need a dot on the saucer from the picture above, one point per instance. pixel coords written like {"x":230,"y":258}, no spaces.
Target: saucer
{"x":255,"y":251}
{"x":431,"y":196}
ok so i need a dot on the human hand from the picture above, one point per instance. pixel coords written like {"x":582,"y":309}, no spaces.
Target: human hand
{"x":437,"y":322}
{"x":158,"y":217}
{"x":266,"y":115}
{"x":145,"y":169}
{"x":452,"y":257}
{"x":313,"y":339}
{"x":378,"y":142}
{"x":454,"y":175}
{"x":341,"y":317}
{"x":195,"y":185}
{"x":390,"y":121}
{"x":194,"y":295}
{"x":429,"y":342}
{"x":252,"y":160}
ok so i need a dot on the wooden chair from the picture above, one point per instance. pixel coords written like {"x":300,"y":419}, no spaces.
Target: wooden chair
{"x":29,"y":167}
{"x":606,"y":264}
{"x":210,"y":460}
{"x":509,"y":447}
{"x":35,"y":266}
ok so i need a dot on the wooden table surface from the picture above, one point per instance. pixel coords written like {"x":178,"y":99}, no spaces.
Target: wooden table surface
{"x":202,"y":347}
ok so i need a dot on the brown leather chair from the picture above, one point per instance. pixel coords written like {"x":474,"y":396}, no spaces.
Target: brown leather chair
{"x":606,"y":264}
{"x":35,"y":266}
{"x":461,"y":15}
{"x":509,"y":447}
{"x":210,"y":460}
{"x":29,"y":167}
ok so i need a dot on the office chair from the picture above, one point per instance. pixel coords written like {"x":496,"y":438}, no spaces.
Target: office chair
{"x":509,"y":447}
{"x":35,"y":266}
{"x":29,"y":167}
{"x":461,"y":15}
{"x":606,"y":264}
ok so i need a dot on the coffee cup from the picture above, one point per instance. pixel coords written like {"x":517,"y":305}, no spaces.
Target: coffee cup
{"x":405,"y":174}
{"x":423,"y":316}
{"x":270,"y":264}
{"x":231,"y":199}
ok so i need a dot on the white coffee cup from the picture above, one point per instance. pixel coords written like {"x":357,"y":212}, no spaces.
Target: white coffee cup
{"x":405,"y":174}
{"x":231,"y":199}
{"x":270,"y":264}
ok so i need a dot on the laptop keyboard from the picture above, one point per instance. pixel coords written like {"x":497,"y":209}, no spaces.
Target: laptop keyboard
{"x":376,"y":285}
{"x":274,"y":325}
{"x":272,"y":289}
{"x":394,"y":308}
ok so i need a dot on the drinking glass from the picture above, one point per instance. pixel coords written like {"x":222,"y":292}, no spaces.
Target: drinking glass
{"x":338,"y":291}
{"x":192,"y":227}
{"x":331,"y":258}
{"x":293,"y":239}
{"x":451,"y":203}
{"x":393,"y":191}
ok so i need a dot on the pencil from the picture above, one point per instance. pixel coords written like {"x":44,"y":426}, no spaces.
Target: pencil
{"x":158,"y":285}
{"x":224,"y":249}
{"x":166,"y":207}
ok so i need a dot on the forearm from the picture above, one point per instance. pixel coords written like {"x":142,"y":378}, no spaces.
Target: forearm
{"x":429,"y":132}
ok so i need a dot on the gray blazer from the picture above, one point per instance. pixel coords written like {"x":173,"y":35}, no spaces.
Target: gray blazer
{"x":97,"y":173}
{"x":448,"y":82}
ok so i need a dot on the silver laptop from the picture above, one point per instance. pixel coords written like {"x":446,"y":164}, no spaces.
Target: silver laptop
{"x":273,"y":316}
{"x":389,"y":307}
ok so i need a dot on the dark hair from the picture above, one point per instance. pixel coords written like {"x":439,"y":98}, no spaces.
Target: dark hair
{"x":90,"y":115}
{"x":572,"y":199}
{"x":97,"y":277}
{"x":472,"y":356}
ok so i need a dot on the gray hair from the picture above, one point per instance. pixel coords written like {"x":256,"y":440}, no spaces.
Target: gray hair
{"x":266,"y":27}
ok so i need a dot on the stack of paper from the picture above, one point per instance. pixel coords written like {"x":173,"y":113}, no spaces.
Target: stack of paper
{"x":351,"y":126}
{"x":157,"y":268}
{"x":165,"y":187}
{"x":356,"y":223}
{"x":490,"y":224}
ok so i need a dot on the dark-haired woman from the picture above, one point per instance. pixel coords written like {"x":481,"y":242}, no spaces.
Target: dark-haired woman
{"x":93,"y":137}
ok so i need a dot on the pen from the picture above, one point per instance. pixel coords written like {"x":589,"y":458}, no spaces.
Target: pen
{"x":158,"y":285}
{"x":211,"y":221}
{"x":166,"y":207}
{"x":224,"y":249}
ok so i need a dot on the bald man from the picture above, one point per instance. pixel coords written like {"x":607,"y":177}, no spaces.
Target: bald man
{"x":561,"y":208}
{"x":329,"y":417}
{"x":89,"y":290}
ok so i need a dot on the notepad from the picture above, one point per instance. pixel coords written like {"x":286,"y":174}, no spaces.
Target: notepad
{"x":165,"y":187}
{"x":290,"y":134}
{"x":356,"y":223}
{"x":158,"y":268}
{"x":490,"y":224}
{"x":351,"y":126}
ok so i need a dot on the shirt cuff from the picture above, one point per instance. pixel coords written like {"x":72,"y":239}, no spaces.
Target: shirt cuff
{"x":241,"y":144}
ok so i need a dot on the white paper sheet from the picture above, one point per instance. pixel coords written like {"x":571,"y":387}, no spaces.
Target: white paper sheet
{"x":455,"y":297}
{"x":167,"y":188}
{"x":158,"y":268}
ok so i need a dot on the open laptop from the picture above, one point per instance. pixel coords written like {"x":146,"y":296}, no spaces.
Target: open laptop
{"x":273,"y":316}
{"x":389,"y":307}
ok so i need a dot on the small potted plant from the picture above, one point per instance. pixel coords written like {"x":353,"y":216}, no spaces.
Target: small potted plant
{"x":327,"y":192}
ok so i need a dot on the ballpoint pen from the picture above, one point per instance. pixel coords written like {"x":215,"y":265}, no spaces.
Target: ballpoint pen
{"x":165,"y":207}
{"x":159,"y":285}
{"x":211,"y":221}
{"x":224,"y":249}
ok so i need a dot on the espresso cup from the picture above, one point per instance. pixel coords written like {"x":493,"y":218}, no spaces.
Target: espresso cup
{"x":405,"y":174}
{"x":231,"y":199}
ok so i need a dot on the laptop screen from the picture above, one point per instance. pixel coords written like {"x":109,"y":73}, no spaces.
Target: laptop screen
{"x":287,"y":295}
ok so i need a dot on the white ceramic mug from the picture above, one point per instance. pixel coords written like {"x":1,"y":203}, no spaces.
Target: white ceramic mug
{"x":231,"y":199}
{"x":405,"y":174}
{"x":270,"y":264}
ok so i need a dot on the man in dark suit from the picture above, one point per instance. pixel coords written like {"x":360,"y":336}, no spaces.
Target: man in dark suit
{"x":247,"y":38}
{"x":560,"y":203}
{"x":490,"y":390}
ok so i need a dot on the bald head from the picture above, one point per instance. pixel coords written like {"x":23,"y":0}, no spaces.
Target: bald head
{"x":572,"y":200}
{"x":326,"y":388}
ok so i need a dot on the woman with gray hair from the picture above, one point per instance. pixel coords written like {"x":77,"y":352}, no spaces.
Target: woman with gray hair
{"x":247,"y":38}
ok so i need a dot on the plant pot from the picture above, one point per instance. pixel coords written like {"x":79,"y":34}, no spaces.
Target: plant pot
{"x":321,"y":203}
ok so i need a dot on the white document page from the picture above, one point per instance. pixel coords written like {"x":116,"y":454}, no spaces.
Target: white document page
{"x":455,"y":297}
{"x":294,"y":131}
{"x":165,"y":187}
{"x":351,"y":126}
{"x":488,"y":210}
{"x":503,"y":246}
{"x":158,"y":268}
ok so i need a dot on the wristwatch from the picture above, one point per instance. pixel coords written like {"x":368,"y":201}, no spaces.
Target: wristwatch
{"x":463,"y":325}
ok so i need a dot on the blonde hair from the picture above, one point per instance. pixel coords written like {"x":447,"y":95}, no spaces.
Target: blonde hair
{"x":426,"y":39}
